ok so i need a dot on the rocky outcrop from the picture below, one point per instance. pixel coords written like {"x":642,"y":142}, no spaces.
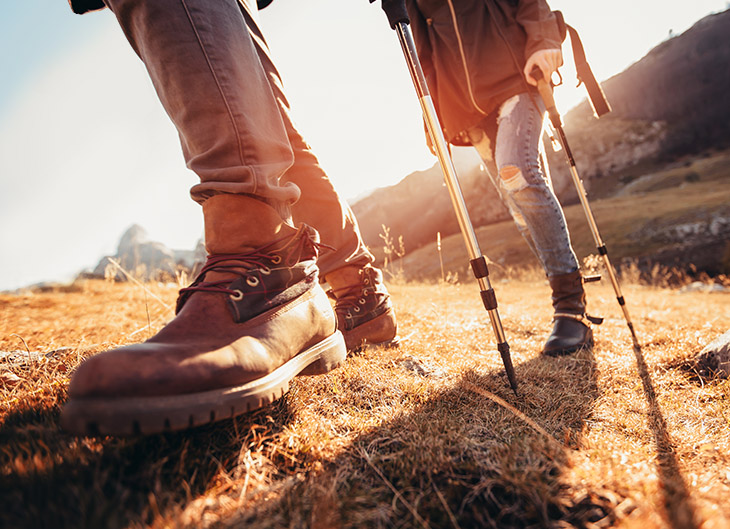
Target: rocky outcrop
{"x":701,"y":238}
{"x":191,"y":259}
{"x":714,"y":360}
{"x":602,"y":149}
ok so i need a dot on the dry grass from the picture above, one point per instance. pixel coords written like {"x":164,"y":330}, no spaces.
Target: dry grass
{"x":425,"y":435}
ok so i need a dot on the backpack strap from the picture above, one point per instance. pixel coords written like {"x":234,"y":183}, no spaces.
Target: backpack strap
{"x":585,"y":76}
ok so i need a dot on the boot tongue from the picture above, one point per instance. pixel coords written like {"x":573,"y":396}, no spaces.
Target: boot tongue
{"x":344,"y":280}
{"x":242,"y":235}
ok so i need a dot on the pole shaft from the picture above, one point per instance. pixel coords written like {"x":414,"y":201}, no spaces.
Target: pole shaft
{"x":600,"y":246}
{"x":447,"y":166}
{"x":439,"y":142}
{"x":457,"y":198}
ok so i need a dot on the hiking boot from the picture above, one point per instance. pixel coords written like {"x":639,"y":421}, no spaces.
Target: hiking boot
{"x":364,"y":311}
{"x":253,"y":319}
{"x":571,"y":325}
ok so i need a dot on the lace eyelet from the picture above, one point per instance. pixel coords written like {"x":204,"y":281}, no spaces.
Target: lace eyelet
{"x":252,"y":281}
{"x":276,"y":259}
{"x":356,"y":309}
{"x":237,"y":295}
{"x":265,"y":270}
{"x":366,"y":281}
{"x":361,"y":301}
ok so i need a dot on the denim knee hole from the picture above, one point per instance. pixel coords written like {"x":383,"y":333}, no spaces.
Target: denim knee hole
{"x":512,"y":178}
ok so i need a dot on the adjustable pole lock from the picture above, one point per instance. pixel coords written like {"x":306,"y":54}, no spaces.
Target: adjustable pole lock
{"x":479,"y":267}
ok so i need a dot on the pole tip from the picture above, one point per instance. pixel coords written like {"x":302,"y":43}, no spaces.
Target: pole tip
{"x":508,"y":367}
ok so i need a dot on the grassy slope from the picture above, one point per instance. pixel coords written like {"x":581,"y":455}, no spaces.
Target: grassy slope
{"x":407,"y":437}
{"x":631,"y":224}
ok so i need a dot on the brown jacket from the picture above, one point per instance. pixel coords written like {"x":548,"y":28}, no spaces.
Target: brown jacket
{"x":473,"y":53}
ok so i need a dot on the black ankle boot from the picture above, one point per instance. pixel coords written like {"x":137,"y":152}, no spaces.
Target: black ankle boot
{"x":571,"y":326}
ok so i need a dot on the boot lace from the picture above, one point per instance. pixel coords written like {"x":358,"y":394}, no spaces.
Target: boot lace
{"x":242,"y":265}
{"x":251,"y":266}
{"x":352,"y":297}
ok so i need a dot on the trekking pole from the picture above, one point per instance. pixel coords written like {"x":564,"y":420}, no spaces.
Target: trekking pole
{"x":546,"y":93}
{"x":398,"y":18}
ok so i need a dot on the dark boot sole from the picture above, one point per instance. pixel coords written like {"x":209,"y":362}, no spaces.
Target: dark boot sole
{"x":381,"y":330}
{"x":150,"y":415}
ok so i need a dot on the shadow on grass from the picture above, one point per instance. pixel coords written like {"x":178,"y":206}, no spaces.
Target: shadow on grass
{"x":460,"y":460}
{"x":51,"y":479}
{"x":678,"y":504}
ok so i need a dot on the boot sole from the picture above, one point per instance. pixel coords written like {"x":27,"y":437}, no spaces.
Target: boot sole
{"x":169,"y":413}
{"x":381,"y":330}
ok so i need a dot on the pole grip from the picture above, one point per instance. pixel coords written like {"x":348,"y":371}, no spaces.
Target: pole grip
{"x":546,"y":93}
{"x":396,"y":12}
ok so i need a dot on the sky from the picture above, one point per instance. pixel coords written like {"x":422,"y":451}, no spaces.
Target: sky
{"x":86,"y":149}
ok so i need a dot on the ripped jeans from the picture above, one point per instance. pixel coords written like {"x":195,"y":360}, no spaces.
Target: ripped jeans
{"x":508,"y":141}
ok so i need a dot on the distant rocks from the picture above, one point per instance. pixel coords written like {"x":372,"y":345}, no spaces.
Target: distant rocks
{"x":701,"y":237}
{"x":146,"y":260}
{"x":699,"y":286}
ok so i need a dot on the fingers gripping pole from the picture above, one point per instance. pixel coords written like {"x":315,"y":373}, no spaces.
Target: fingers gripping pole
{"x":546,"y":94}
{"x":477,"y":260}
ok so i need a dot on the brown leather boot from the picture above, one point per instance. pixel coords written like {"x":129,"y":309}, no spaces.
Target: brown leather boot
{"x":253,"y":319}
{"x":571,"y":325}
{"x":365,"y":313}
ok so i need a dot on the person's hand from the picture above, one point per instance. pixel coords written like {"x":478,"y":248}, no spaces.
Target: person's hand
{"x":547,"y":60}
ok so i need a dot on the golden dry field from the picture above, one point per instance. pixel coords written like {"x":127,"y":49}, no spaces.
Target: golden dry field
{"x":424,"y":435}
